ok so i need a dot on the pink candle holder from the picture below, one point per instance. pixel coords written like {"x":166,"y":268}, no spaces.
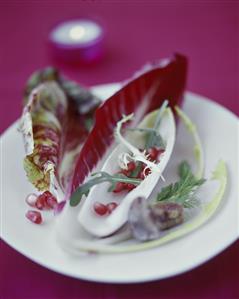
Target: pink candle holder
{"x":79,"y":40}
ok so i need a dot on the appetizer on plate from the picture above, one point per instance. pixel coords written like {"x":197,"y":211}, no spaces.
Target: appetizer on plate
{"x":101,"y":166}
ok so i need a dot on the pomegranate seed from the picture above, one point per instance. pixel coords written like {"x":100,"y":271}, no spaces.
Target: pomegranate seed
{"x":141,"y":175}
{"x":153,"y":153}
{"x":46,"y":201}
{"x":131,"y":166}
{"x":120,"y":186}
{"x":41,"y":202}
{"x":100,"y":208}
{"x":111,"y":206}
{"x":34,"y":216}
{"x":130,"y":186}
{"x":31,"y":200}
{"x":51,"y":201}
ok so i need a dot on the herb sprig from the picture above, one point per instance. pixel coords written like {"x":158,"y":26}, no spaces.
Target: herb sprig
{"x":182,"y":191}
{"x":153,"y":138}
{"x":98,"y":178}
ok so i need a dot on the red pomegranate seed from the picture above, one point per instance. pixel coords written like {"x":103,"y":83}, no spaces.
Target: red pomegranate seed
{"x":120,"y":186}
{"x":46,"y":201}
{"x":131,"y":166}
{"x":100,"y":208}
{"x":31,"y":200}
{"x":153,"y":153}
{"x":51,"y":201}
{"x":41,"y":202}
{"x":141,"y":175}
{"x":130,"y":186}
{"x":111,"y":206}
{"x":34,"y":216}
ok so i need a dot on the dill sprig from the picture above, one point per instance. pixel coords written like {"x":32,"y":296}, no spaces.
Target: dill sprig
{"x":182,"y":191}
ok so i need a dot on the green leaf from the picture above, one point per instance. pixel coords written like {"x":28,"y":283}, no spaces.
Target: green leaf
{"x":151,"y":138}
{"x":183,"y":169}
{"x":98,"y":178}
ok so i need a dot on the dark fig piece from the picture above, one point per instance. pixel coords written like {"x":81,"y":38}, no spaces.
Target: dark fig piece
{"x":147,"y":221}
{"x":167,"y":214}
{"x":142,"y":221}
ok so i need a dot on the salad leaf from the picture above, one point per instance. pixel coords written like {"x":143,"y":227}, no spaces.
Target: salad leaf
{"x":53,"y":130}
{"x":86,"y":102}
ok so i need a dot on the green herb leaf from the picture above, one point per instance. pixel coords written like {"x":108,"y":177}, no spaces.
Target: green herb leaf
{"x":184,"y":170}
{"x":182,"y":191}
{"x":156,"y":138}
{"x":98,"y":178}
{"x":152,"y":137}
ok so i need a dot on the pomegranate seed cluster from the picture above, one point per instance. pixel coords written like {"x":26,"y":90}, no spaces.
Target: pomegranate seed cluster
{"x":137,"y":170}
{"x":44,"y":202}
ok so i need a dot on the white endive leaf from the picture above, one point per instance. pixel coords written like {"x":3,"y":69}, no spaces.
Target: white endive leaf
{"x":104,"y":226}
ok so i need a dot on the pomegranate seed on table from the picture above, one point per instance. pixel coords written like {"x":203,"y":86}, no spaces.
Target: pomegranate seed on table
{"x":31,"y":200}
{"x":34,"y":216}
{"x":100,"y":209}
{"x":111,"y":207}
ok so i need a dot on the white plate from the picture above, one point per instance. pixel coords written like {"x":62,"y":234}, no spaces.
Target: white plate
{"x":219,"y":131}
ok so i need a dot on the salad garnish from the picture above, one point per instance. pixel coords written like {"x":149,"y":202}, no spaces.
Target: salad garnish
{"x":219,"y":174}
{"x":99,"y":178}
{"x":182,"y":191}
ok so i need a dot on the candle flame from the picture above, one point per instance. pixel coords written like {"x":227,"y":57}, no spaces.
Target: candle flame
{"x":77,"y":32}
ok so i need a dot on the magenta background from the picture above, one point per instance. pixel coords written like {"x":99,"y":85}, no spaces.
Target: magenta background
{"x":137,"y":32}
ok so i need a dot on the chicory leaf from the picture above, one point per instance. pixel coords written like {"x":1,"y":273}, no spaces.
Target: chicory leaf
{"x":142,"y":94}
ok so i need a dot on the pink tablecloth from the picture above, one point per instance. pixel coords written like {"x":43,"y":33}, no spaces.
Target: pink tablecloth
{"x":137,"y":32}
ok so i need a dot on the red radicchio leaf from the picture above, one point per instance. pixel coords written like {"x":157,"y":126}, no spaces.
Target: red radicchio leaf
{"x":148,"y":90}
